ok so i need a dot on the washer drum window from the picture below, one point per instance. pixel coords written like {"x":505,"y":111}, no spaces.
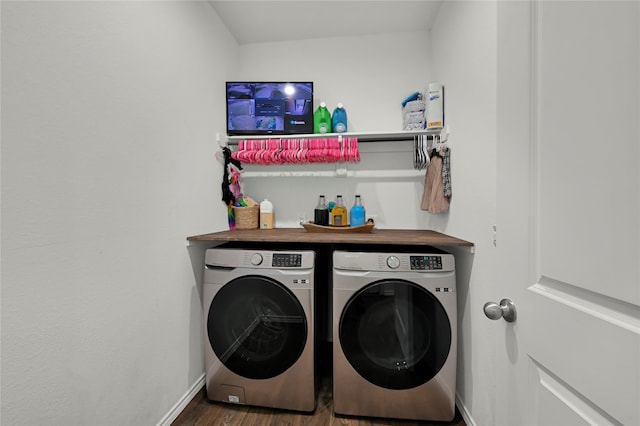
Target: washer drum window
{"x":257,"y":327}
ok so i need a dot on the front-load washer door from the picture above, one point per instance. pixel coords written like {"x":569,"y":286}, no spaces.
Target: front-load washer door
{"x":256,"y":327}
{"x":395,"y":334}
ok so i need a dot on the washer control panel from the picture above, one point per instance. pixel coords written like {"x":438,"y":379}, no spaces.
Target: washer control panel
{"x":259,"y":259}
{"x":287,"y":260}
{"x":425,"y":263}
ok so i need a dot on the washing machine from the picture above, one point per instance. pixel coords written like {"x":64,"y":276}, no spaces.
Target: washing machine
{"x":259,"y":328}
{"x":394,"y":335}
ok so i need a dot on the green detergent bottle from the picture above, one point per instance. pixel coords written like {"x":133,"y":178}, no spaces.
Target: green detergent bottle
{"x":322,"y":119}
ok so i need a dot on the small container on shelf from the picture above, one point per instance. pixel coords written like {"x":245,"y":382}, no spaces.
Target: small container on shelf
{"x":322,"y":119}
{"x":357,"y":215}
{"x":246,"y":217}
{"x":339,"y":213}
{"x":321,"y":212}
{"x":266,"y":214}
{"x":339,"y":119}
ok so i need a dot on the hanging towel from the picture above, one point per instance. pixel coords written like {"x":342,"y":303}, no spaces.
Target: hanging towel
{"x":433,"y":198}
{"x":446,"y":172}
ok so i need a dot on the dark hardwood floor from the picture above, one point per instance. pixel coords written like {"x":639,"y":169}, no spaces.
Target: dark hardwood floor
{"x":200,"y":412}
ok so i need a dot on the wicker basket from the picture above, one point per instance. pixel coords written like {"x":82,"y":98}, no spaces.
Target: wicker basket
{"x":246,"y":217}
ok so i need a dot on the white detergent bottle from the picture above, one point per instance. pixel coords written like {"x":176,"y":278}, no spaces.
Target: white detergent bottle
{"x":266,"y":214}
{"x":435,"y":106}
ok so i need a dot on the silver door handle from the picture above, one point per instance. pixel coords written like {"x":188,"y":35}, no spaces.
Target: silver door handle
{"x":506,"y":309}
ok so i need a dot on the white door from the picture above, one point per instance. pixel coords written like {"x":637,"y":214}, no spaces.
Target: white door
{"x":568,"y":235}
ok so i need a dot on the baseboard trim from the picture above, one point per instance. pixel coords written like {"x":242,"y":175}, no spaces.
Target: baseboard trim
{"x":464,"y":412}
{"x":182,"y":402}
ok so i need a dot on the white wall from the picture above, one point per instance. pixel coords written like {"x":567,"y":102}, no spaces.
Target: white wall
{"x":109,"y":111}
{"x":370,"y":75}
{"x":465,"y":48}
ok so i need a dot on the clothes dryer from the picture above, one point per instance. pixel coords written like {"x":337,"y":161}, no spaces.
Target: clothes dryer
{"x":394,"y":335}
{"x":259,"y":328}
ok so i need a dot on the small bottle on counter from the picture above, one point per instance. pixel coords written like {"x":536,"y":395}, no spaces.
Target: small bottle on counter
{"x":266,"y":214}
{"x":357,"y":213}
{"x":339,"y":213}
{"x":321,"y":212}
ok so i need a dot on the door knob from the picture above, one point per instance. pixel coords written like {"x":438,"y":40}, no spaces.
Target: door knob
{"x":506,"y":309}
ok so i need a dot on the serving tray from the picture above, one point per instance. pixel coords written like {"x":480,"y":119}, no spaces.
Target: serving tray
{"x":362,"y":229}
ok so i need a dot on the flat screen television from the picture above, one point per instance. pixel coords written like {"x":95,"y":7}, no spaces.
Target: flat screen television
{"x":263,"y":108}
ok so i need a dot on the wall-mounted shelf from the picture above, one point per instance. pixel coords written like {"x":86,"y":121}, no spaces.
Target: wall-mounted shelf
{"x":362,"y":137}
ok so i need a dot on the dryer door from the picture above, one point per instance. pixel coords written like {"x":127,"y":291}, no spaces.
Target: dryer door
{"x":256,"y":327}
{"x":395,"y":334}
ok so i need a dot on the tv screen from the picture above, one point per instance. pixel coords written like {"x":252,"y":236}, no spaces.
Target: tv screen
{"x":262,"y":108}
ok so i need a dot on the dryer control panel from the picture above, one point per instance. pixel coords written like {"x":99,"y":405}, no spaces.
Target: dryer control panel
{"x":420,"y":263}
{"x":426,"y":263}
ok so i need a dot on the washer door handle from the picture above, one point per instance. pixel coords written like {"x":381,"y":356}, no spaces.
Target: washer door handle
{"x":506,"y":309}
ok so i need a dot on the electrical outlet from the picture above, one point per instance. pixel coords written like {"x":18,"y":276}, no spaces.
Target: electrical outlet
{"x":372,"y":216}
{"x":495,"y":235}
{"x":301,"y":218}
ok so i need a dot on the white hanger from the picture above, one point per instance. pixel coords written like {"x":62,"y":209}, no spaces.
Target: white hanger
{"x":218,"y":140}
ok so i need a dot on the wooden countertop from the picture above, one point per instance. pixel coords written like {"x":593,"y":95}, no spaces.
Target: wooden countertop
{"x":299,"y":235}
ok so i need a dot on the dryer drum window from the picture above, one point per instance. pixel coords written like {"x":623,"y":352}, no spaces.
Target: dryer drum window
{"x":256,"y":327}
{"x":395,"y":334}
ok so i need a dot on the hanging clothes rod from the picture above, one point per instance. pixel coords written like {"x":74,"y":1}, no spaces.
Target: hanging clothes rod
{"x":366,"y":174}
